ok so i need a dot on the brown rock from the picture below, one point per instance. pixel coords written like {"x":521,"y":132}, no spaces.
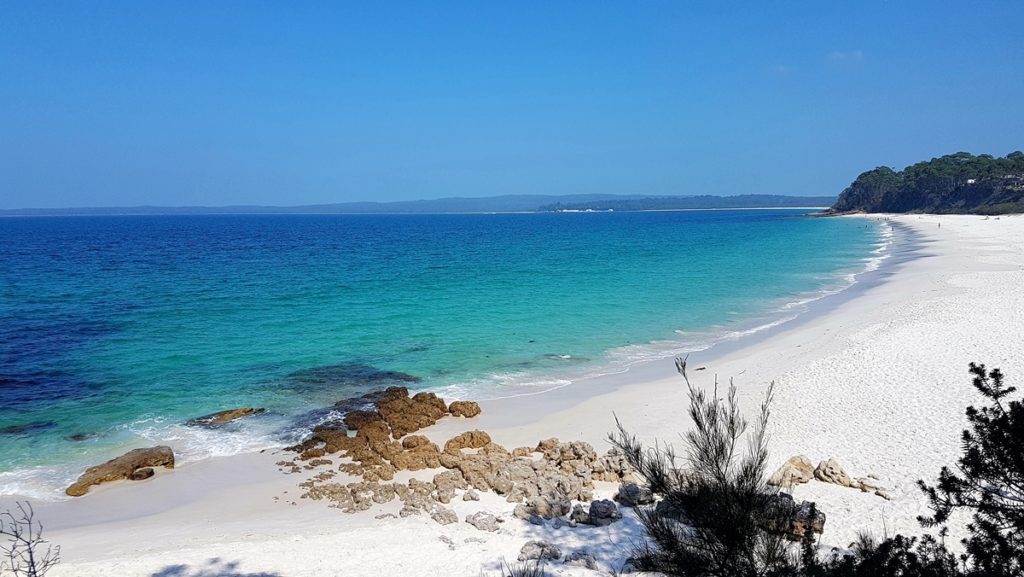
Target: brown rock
{"x":122,"y":468}
{"x":546,"y":444}
{"x":415,"y":441}
{"x":798,"y":469}
{"x":356,"y":420}
{"x":466,"y":409}
{"x":141,"y":474}
{"x":467,"y":440}
{"x":831,"y":472}
{"x":222,"y":417}
{"x":407,"y":415}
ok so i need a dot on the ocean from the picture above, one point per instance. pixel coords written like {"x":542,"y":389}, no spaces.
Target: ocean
{"x":115,"y":330}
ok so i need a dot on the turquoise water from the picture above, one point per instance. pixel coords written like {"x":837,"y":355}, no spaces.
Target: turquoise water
{"x":116,"y":329}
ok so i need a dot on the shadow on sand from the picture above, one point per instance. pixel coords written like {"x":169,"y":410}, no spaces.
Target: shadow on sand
{"x":212,"y":568}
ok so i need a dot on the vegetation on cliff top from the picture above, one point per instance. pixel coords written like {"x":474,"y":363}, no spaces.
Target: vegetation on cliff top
{"x":955,"y":183}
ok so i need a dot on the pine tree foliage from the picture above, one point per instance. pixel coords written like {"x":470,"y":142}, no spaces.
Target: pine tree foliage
{"x":990,"y":481}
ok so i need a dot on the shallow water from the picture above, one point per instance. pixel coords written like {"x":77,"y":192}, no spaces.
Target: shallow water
{"x":114,"y":330}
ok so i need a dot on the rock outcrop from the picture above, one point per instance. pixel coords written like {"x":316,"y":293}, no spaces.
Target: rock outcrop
{"x":581,"y":558}
{"x":543,"y":487}
{"x":603,"y":513}
{"x":831,"y":472}
{"x":122,"y":467}
{"x":798,"y":469}
{"x":466,"y":409}
{"x":223,"y":417}
{"x":632,"y":495}
{"x":483,"y":521}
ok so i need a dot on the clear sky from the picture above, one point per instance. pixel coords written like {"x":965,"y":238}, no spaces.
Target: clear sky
{"x":214,"y":103}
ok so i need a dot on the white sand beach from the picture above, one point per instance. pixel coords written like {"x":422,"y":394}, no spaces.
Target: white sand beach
{"x":875,"y":378}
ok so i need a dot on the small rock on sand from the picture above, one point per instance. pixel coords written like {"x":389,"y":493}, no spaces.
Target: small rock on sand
{"x":540,"y":550}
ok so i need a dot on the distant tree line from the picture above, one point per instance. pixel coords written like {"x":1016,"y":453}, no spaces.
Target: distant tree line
{"x":955,"y":183}
{"x":691,"y":202}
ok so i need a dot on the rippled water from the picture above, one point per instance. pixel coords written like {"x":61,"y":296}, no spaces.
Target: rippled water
{"x":113,"y":330}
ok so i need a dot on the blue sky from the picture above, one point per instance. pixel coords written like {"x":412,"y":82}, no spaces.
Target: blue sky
{"x":214,"y":103}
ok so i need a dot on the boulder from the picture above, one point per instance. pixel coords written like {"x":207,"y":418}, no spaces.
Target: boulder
{"x":443,"y":515}
{"x":407,"y":415}
{"x":604,"y":513}
{"x":467,"y":409}
{"x":222,"y":417}
{"x":579,"y":514}
{"x":631,"y":495}
{"x":581,"y":558}
{"x":483,"y":521}
{"x":122,"y":468}
{"x":467,"y":440}
{"x":356,"y":420}
{"x":804,"y":521}
{"x":539,"y":550}
{"x":800,"y":516}
{"x":831,"y":472}
{"x":549,"y":507}
{"x":798,"y":469}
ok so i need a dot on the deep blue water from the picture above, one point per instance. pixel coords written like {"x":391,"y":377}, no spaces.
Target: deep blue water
{"x":113,"y":330}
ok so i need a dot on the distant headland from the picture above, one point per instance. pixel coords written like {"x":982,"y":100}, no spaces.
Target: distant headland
{"x":960,"y":183}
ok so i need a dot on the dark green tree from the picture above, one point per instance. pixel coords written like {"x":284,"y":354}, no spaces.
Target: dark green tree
{"x":990,"y":480}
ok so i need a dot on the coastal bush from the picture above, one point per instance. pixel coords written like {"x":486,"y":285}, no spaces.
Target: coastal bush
{"x":718,"y":516}
{"x":25,"y":553}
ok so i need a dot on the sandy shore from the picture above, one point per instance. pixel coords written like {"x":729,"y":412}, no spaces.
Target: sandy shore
{"x":874,"y":377}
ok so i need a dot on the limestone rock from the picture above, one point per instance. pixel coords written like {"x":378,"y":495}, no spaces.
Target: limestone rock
{"x":539,"y":550}
{"x":604,"y":513}
{"x":466,"y":409}
{"x":581,"y":558}
{"x":831,"y":472}
{"x":523,"y":512}
{"x":222,"y":417}
{"x":549,"y":507}
{"x":631,"y":495}
{"x":798,"y":469}
{"x":356,"y":420}
{"x":122,"y":468}
{"x":443,"y":515}
{"x":471,"y":495}
{"x":467,"y":440}
{"x":579,"y":514}
{"x":407,"y":415}
{"x":483,"y":521}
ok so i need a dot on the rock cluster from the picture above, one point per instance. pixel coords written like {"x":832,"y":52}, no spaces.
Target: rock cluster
{"x":134,"y":465}
{"x":542,"y":481}
{"x":798,"y":469}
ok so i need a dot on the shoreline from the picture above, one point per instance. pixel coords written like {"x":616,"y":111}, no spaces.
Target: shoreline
{"x":46,"y":481}
{"x":875,"y":377}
